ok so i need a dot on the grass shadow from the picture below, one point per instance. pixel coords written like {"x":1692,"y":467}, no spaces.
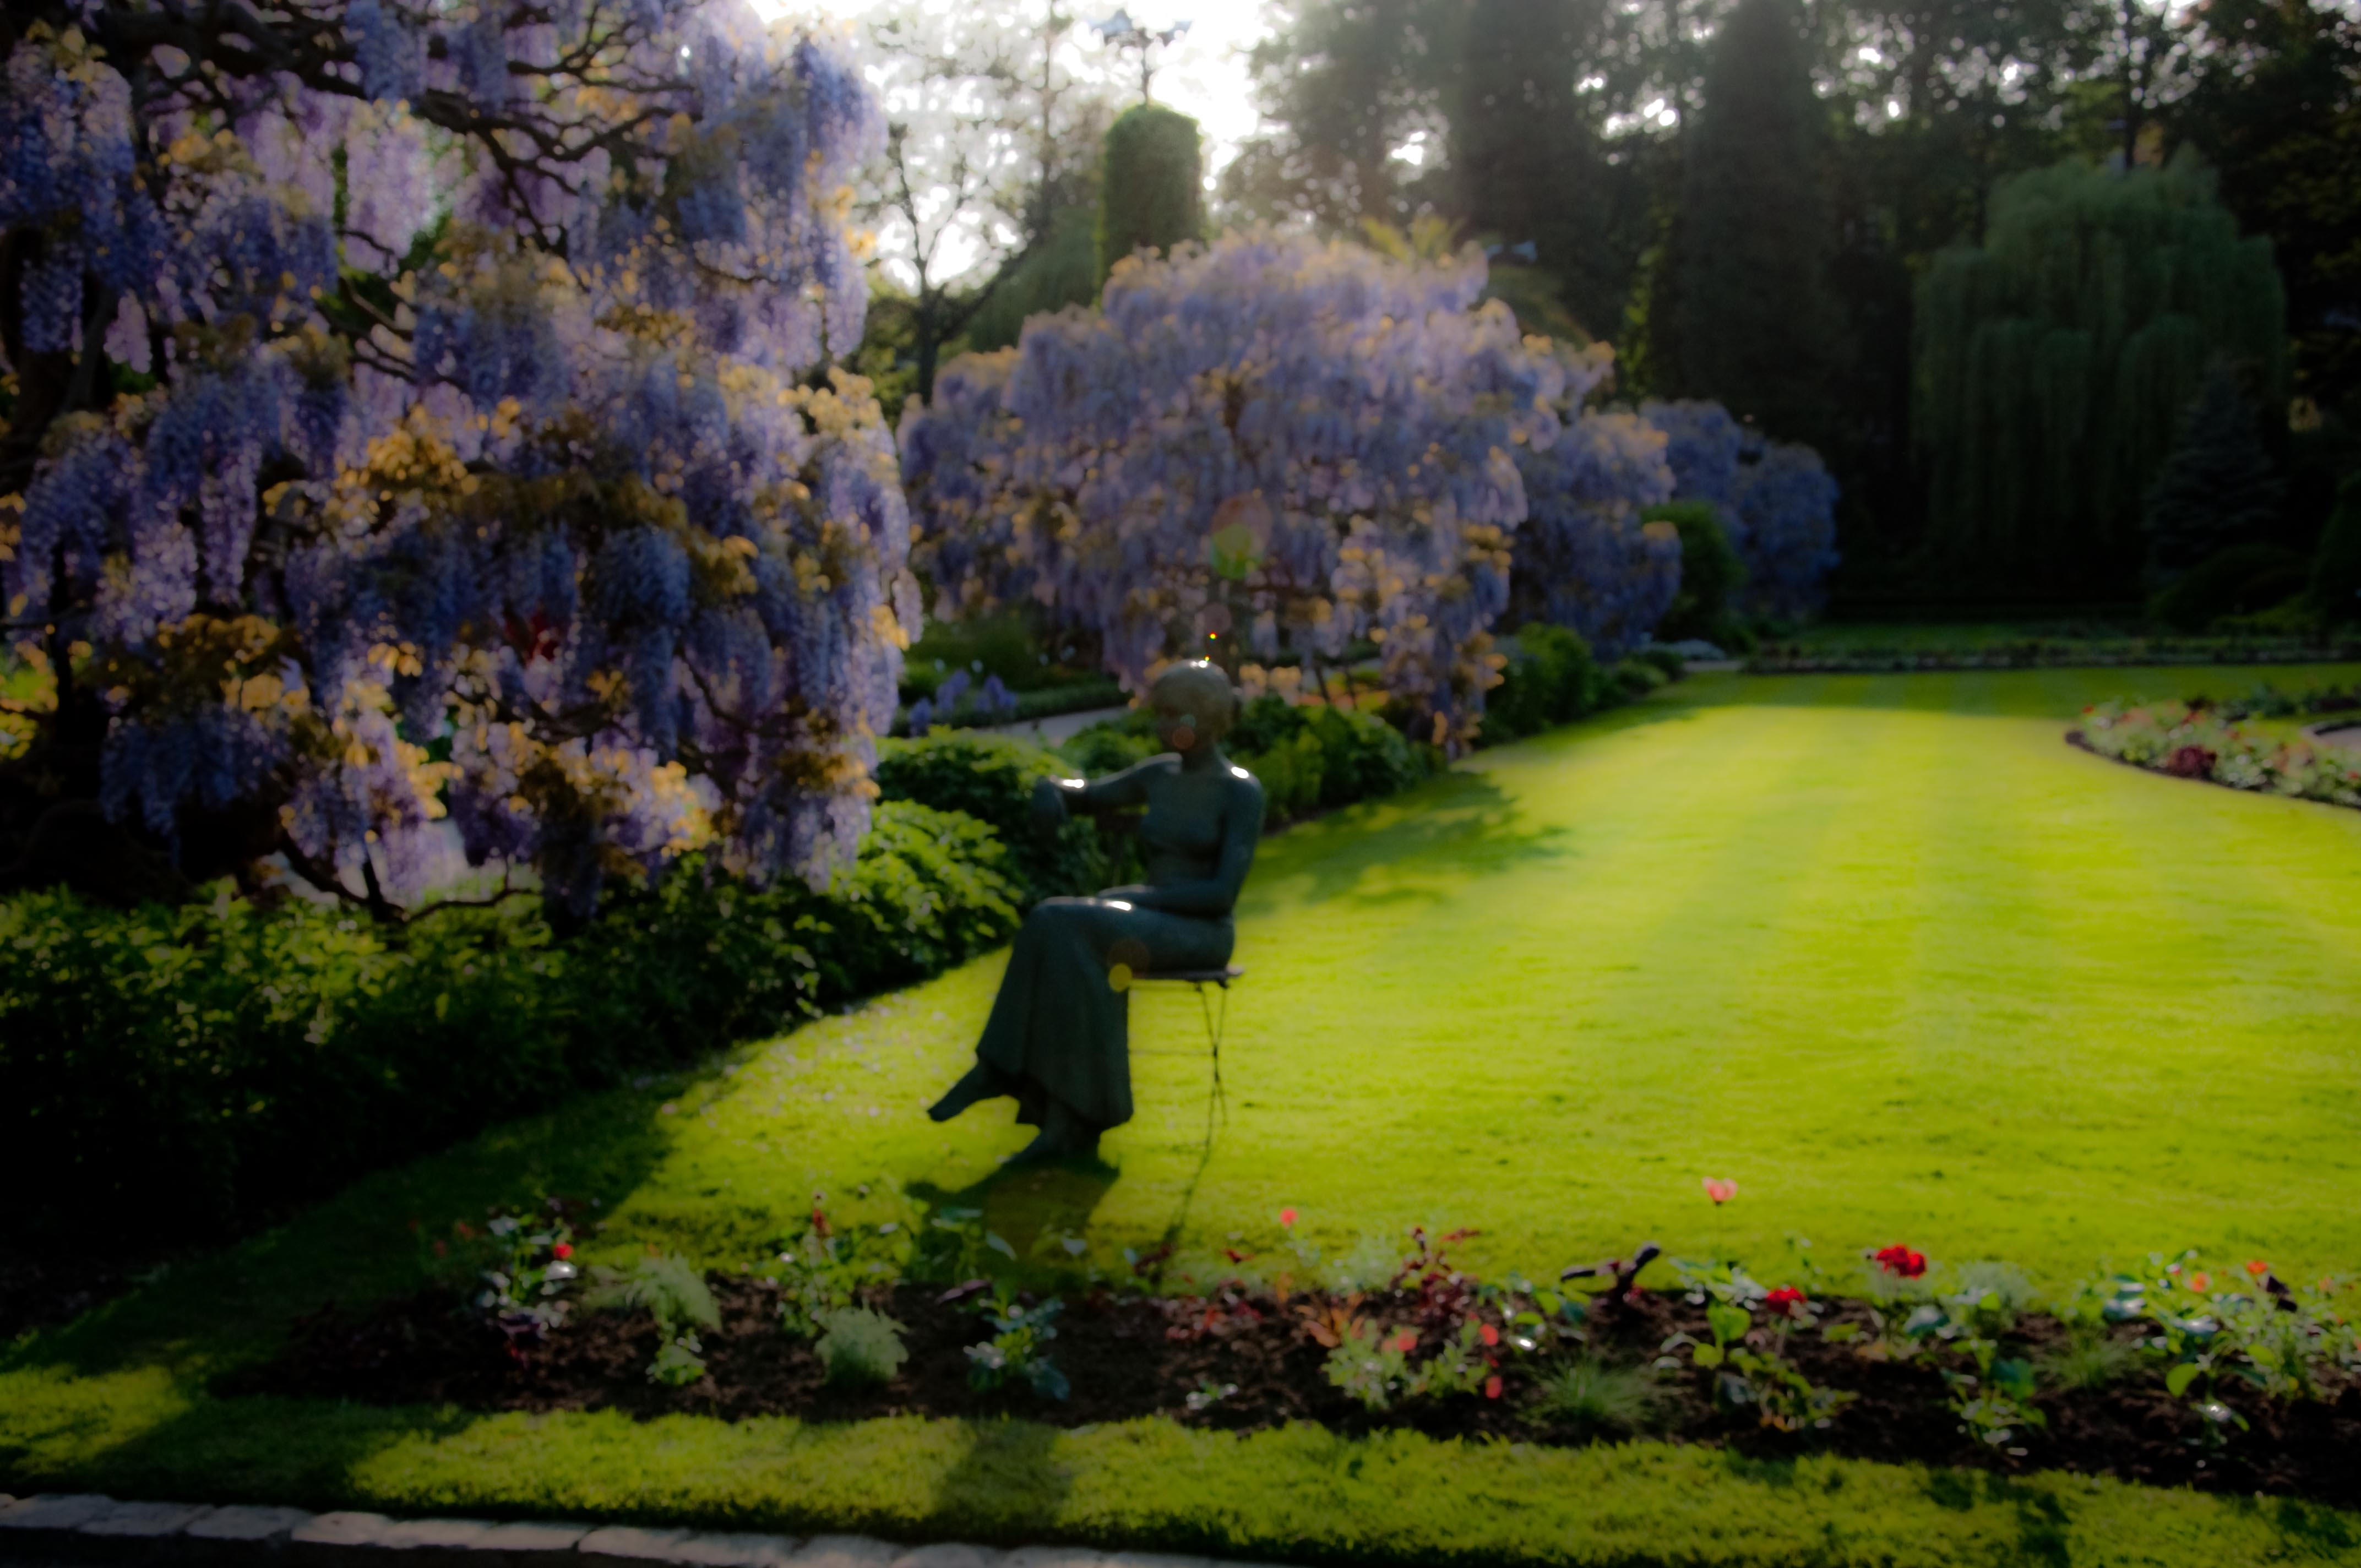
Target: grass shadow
{"x":2042,"y":1540}
{"x":1033,"y":1208}
{"x":1461,"y":822}
{"x":239,"y":1450}
{"x":358,"y":1246}
{"x":1007,"y":1483}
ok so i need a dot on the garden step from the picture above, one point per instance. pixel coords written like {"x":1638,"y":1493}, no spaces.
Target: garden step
{"x":88,"y":1528}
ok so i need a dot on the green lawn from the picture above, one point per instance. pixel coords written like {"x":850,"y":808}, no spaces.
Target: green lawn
{"x":1878,"y":948}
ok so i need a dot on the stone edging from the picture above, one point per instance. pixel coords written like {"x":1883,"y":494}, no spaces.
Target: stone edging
{"x":87,"y":1528}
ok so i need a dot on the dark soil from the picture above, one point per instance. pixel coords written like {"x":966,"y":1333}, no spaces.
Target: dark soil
{"x":1129,"y":1356}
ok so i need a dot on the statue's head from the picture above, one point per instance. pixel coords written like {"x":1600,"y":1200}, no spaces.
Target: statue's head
{"x":1194,"y":704}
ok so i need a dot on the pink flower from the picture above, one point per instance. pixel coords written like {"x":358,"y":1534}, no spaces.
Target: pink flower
{"x":1287,"y":1218}
{"x":1720,"y":1191}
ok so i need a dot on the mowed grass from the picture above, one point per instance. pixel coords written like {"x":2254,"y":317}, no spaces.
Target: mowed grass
{"x":1881,"y":949}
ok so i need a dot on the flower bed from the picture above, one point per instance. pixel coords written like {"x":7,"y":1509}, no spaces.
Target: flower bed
{"x":2226,"y":1379}
{"x":2199,"y":740}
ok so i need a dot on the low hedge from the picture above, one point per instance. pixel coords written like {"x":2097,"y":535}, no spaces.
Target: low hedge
{"x":991,"y":779}
{"x":1309,"y":757}
{"x":170,"y":1072}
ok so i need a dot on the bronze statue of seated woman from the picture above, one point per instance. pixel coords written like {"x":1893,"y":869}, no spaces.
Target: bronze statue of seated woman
{"x":1059,"y":1037}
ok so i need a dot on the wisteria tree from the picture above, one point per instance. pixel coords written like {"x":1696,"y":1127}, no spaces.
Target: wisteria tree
{"x":1777,"y":500}
{"x":1265,"y":445}
{"x":413,"y":413}
{"x":1584,"y":558}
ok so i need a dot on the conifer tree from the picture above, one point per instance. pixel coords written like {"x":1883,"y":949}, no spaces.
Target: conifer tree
{"x":1758,"y":327}
{"x":2336,"y":570}
{"x":1528,"y":168}
{"x":2218,"y":487}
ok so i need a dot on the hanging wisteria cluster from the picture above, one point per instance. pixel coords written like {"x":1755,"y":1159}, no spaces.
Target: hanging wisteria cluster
{"x":413,"y":417}
{"x":1584,"y":558}
{"x":1776,"y":498}
{"x":1289,"y":443}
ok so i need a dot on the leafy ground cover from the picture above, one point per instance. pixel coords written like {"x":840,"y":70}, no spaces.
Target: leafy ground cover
{"x":1879,"y":949}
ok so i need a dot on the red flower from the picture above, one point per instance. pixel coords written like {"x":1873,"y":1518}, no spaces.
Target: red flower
{"x":442,"y":1248}
{"x":1491,"y":1334}
{"x":1406,"y":1342}
{"x":561,"y":1250}
{"x":820,"y":1225}
{"x":1492,"y":1386}
{"x":1899,"y":1259}
{"x":2257,"y":1268}
{"x":1786,"y":1300}
{"x":1287,"y":1218}
{"x":2201,"y":1282}
{"x":1720,"y":1191}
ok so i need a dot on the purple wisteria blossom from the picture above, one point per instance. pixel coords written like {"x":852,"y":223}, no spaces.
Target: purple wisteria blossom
{"x":470,"y":464}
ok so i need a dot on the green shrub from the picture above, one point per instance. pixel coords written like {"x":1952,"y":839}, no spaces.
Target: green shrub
{"x":859,"y":1347}
{"x":201,"y":1069}
{"x":1711,"y":575}
{"x":1633,"y":679}
{"x":671,"y":1290}
{"x":1151,"y":184}
{"x":1598,"y":1400}
{"x":2244,"y":580}
{"x":1550,"y":678}
{"x":2336,"y":568}
{"x":1308,"y":758}
{"x":991,"y":779}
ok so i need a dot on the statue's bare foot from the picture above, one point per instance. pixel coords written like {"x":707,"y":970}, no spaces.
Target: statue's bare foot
{"x":980,"y":1084}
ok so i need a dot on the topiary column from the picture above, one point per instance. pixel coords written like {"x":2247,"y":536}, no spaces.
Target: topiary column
{"x":1151,"y":186}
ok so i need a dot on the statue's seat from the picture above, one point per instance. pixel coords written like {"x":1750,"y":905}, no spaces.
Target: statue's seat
{"x":1221,"y":976}
{"x":1200,"y":979}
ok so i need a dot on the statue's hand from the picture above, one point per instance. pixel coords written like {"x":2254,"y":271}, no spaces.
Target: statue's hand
{"x":1049,"y":802}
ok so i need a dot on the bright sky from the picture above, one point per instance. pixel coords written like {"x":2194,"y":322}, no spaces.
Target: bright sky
{"x":1204,"y":75}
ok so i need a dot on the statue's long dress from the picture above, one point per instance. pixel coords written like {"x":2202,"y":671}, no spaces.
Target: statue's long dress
{"x":1061,"y":1028}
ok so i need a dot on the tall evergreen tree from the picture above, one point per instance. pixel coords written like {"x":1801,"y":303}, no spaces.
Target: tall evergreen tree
{"x":2218,"y":488}
{"x":2336,"y":570}
{"x":1151,"y":185}
{"x":2054,"y":363}
{"x":1758,"y":327}
{"x":1527,"y":163}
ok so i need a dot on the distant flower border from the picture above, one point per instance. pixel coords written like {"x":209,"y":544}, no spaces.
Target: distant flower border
{"x":2196,"y":740}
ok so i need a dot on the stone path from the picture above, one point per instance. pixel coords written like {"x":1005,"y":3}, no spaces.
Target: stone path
{"x":86,"y":1527}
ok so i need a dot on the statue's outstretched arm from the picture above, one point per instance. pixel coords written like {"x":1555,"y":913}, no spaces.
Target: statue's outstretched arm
{"x":1055,"y":799}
